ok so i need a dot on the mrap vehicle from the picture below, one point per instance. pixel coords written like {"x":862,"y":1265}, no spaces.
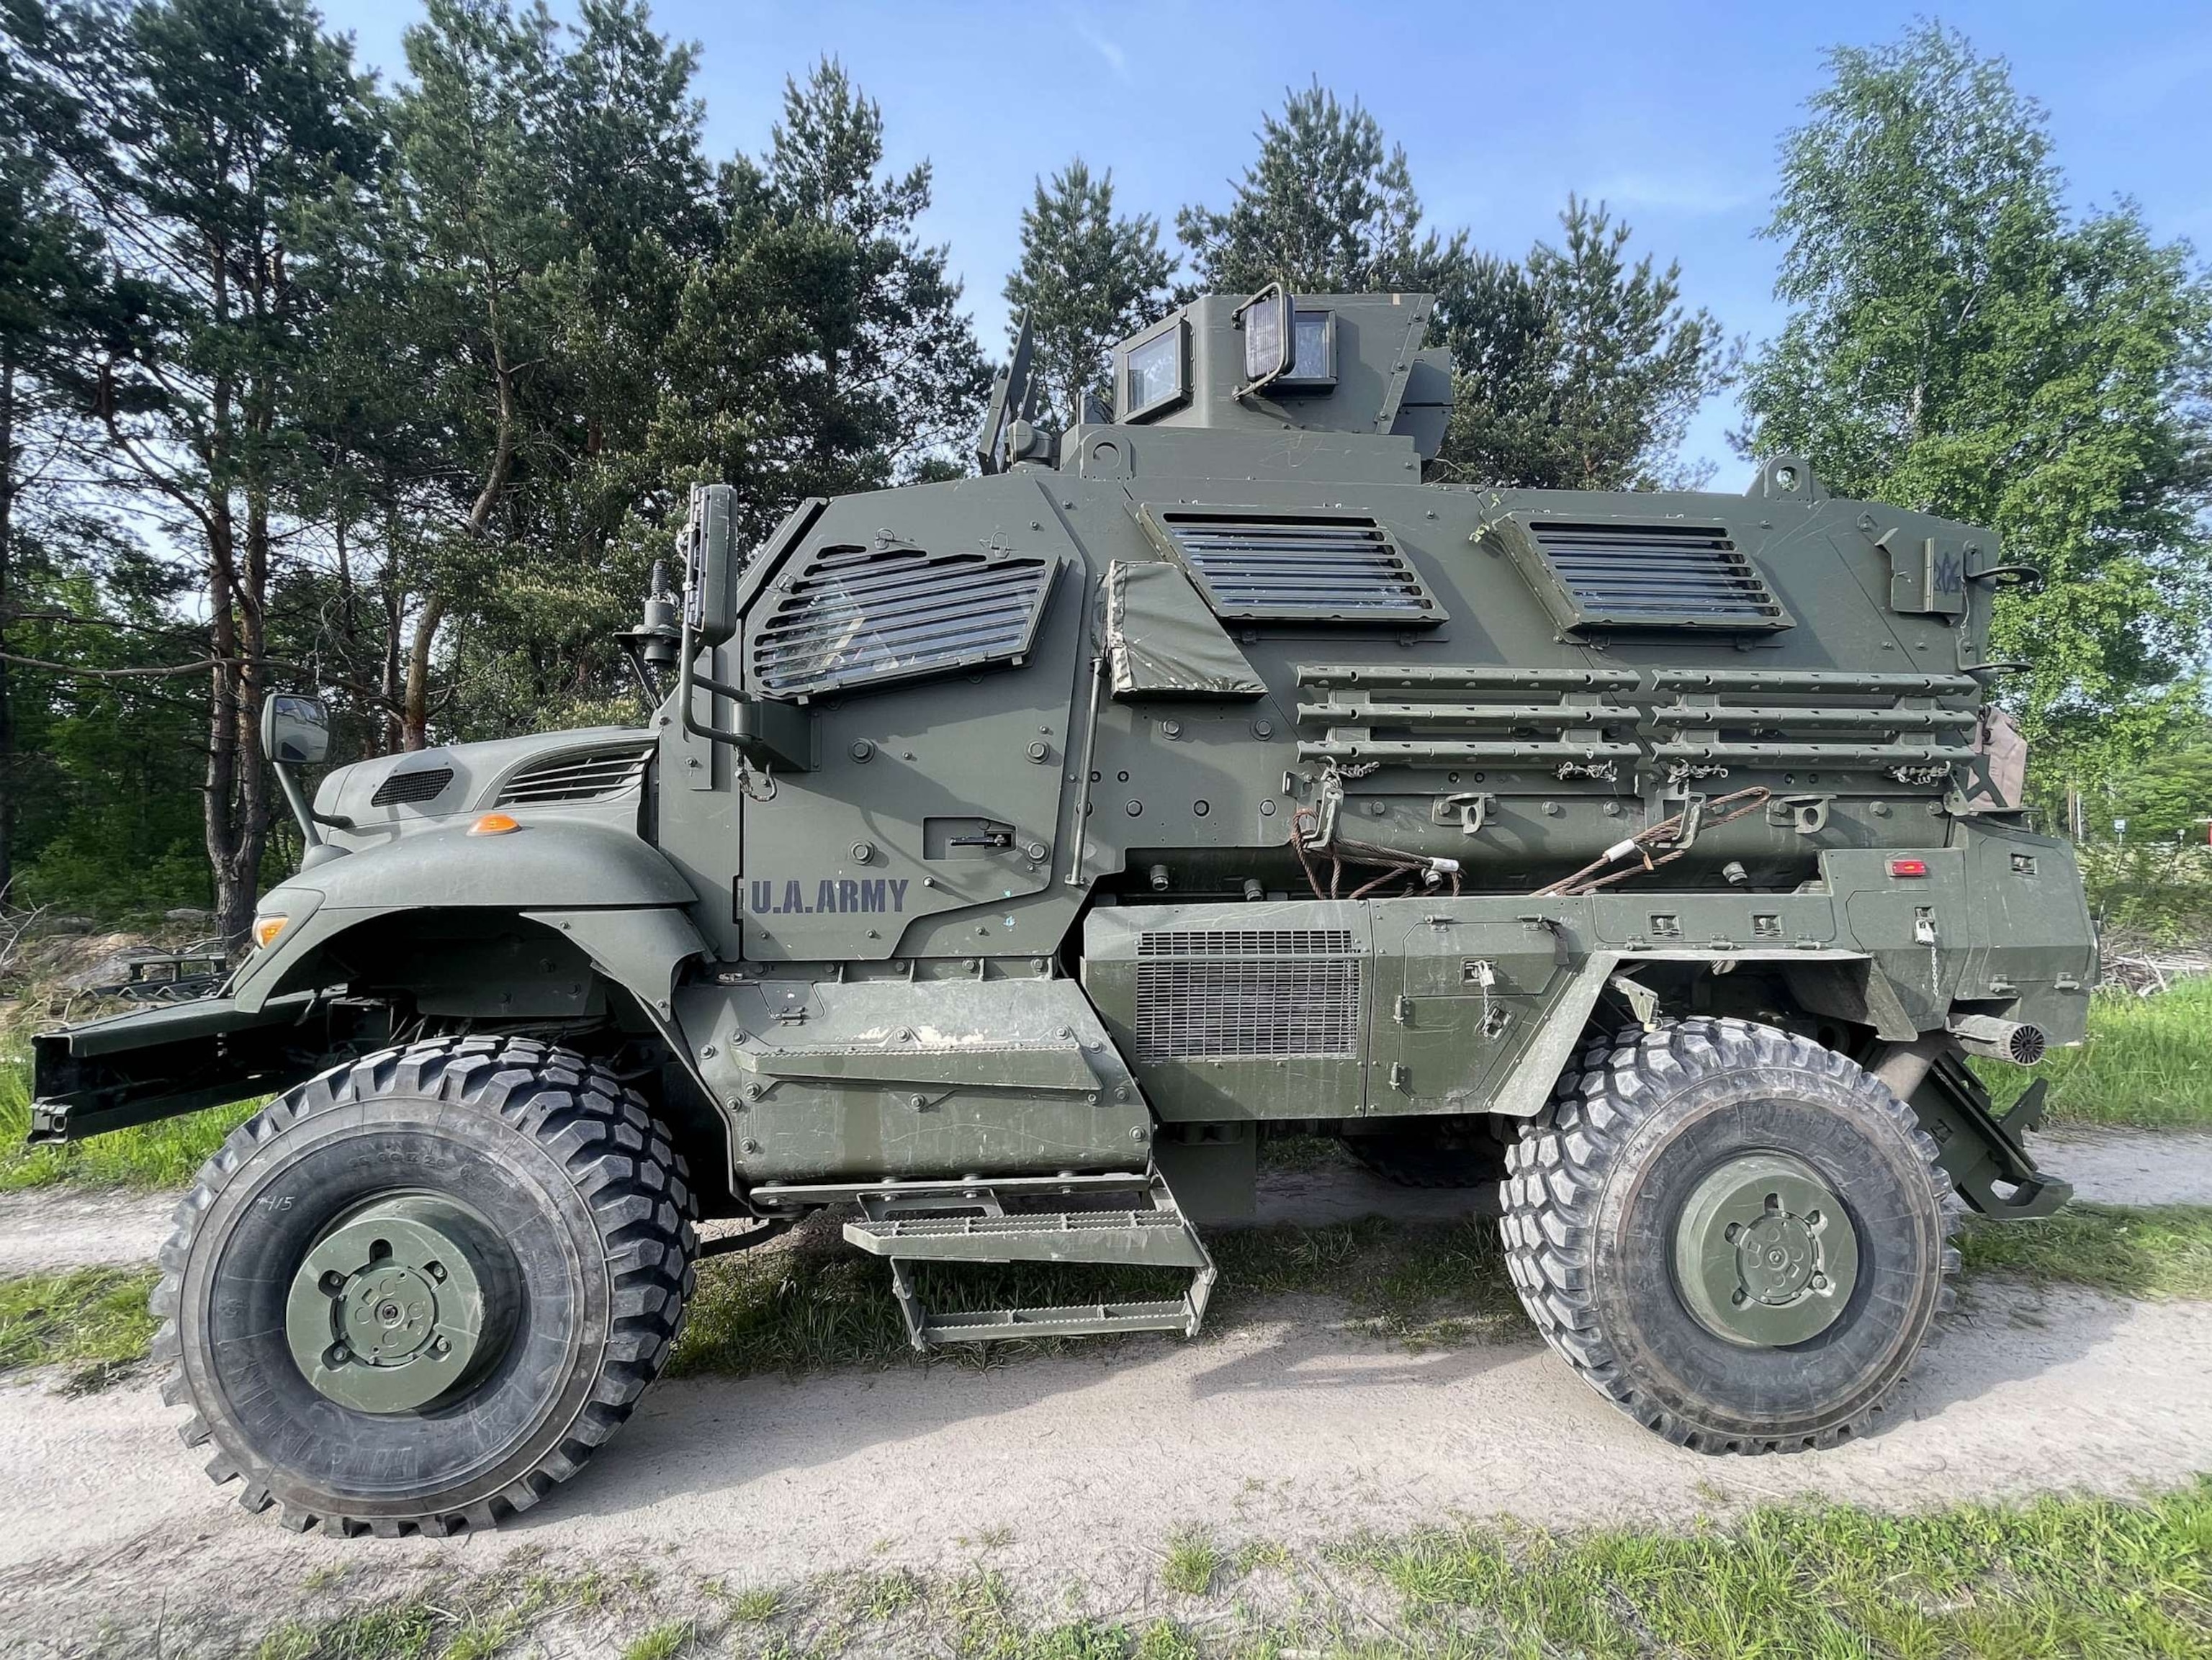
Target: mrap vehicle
{"x":1007,"y":858}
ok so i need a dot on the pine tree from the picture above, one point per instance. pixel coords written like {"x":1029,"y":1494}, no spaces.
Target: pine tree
{"x":1959,"y":343}
{"x":57,"y":304}
{"x":1325,"y":209}
{"x":822,"y":350}
{"x":236,"y":145}
{"x":1577,"y":371}
{"x":1088,"y":277}
{"x":1574,"y":370}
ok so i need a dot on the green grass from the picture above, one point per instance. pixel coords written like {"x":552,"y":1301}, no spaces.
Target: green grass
{"x":2151,"y":1251}
{"x":664,"y":1641}
{"x":165,"y":1154}
{"x":1191,"y":1563}
{"x":2061,"y":1576}
{"x":2146,"y":1064}
{"x":93,"y":1320}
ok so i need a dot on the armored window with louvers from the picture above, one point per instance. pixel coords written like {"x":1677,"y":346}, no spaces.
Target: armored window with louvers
{"x":1294,"y":567}
{"x":578,"y":775}
{"x":407,"y":789}
{"x":858,"y":616}
{"x":1221,"y":994}
{"x":1650,"y":574}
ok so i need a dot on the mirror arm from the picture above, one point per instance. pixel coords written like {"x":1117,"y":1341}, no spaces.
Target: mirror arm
{"x":296,"y":799}
{"x":690,"y":681}
{"x":769,"y":734}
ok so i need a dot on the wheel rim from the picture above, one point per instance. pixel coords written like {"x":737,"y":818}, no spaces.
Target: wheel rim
{"x":1764,"y":1254}
{"x":394,"y":1305}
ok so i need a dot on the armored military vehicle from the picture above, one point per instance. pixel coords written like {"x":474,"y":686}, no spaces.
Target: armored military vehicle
{"x":1006,"y":859}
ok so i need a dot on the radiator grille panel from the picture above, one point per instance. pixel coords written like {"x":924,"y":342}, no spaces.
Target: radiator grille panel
{"x":1657,"y":575}
{"x":404,"y":789}
{"x":1247,"y":992}
{"x":1286,"y":568}
{"x":575,"y":777}
{"x":859,"y":615}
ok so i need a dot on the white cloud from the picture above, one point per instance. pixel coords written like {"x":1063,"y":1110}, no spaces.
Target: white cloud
{"x":1105,"y":45}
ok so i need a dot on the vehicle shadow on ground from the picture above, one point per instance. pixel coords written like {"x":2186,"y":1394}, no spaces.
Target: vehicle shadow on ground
{"x":1289,"y":1389}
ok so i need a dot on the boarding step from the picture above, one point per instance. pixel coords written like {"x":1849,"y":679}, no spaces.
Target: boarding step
{"x":1155,"y":1239}
{"x":1074,"y":1320}
{"x":1154,"y":1232}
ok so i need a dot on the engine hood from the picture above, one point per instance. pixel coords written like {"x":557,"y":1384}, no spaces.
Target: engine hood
{"x":596,"y":773}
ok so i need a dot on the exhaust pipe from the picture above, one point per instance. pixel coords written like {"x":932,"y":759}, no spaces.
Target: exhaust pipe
{"x":1999,"y":1041}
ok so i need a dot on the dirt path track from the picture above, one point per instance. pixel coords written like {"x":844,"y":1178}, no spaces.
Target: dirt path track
{"x":1283,"y":1428}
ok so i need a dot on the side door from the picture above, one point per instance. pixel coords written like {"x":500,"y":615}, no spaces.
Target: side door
{"x":936,"y":638}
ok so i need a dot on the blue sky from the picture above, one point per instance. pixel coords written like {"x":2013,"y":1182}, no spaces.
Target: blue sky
{"x":1669,"y":114}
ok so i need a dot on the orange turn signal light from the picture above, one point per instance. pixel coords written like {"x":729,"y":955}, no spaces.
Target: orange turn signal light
{"x":1908,"y":866}
{"x":266,"y":929}
{"x":494,"y":824}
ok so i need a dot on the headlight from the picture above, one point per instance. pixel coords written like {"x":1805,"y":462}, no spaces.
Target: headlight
{"x":266,"y":929}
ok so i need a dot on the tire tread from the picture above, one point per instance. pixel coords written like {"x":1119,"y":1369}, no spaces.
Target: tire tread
{"x":616,"y":1157}
{"x":1556,"y":1169}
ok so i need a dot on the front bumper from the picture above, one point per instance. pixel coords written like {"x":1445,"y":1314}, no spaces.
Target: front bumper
{"x":156,"y":1062}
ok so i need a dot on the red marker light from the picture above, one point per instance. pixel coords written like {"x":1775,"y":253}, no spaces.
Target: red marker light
{"x":1908,"y":866}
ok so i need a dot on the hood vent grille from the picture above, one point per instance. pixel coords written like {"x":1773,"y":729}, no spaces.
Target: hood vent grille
{"x":589,"y":775}
{"x":1294,"y":567}
{"x":407,"y":789}
{"x":857,"y":616}
{"x":1661,"y":575}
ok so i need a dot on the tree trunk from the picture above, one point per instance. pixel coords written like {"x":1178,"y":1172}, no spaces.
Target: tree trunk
{"x":233,"y":911}
{"x":414,"y":715}
{"x":7,"y":570}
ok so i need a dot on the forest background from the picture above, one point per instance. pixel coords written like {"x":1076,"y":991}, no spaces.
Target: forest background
{"x":395,"y":390}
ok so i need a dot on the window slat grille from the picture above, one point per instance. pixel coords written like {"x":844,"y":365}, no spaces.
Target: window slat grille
{"x":1657,"y":576}
{"x":1299,"y":568}
{"x":859,"y":615}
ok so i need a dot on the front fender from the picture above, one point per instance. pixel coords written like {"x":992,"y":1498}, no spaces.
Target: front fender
{"x":567,"y":868}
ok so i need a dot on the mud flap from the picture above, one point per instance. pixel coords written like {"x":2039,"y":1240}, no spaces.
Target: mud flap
{"x":1986,"y":1155}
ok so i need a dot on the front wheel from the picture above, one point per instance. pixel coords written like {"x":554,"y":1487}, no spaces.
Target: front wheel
{"x":416,"y":1292}
{"x":1738,"y":1237}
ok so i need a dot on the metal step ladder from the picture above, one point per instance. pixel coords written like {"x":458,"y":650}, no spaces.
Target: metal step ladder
{"x":1154,"y":1232}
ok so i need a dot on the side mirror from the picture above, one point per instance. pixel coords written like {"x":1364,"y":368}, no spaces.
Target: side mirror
{"x":710,"y":559}
{"x":295,"y":731}
{"x":1270,"y":337}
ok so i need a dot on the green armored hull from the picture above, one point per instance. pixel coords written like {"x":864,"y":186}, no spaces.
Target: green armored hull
{"x":1008,"y":858}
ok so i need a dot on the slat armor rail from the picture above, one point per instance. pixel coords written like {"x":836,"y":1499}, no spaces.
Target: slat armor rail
{"x":1360,"y":701}
{"x":1568,"y":719}
{"x":1728,"y":717}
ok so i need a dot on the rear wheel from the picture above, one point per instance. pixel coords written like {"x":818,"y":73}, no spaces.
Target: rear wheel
{"x":1738,"y":1237}
{"x":414,"y":1292}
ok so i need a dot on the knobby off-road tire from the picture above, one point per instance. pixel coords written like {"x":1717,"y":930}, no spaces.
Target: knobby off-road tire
{"x":1598,"y":1187}
{"x":576,"y":1214}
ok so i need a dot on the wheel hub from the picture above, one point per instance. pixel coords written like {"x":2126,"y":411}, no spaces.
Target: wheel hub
{"x":387,"y":1310}
{"x":1764,"y":1254}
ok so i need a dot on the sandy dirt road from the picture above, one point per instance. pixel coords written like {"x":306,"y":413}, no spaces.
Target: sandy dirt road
{"x":1285,"y":1429}
{"x":1285,"y":1426}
